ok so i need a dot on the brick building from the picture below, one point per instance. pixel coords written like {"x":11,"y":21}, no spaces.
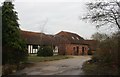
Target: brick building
{"x":64,"y":43}
{"x":73,"y":46}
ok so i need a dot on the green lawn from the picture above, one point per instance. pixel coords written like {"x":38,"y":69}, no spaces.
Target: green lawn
{"x":34,"y":58}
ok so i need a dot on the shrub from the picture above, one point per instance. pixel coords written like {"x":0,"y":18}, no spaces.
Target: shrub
{"x":8,"y":69}
{"x":89,"y":68}
{"x":107,"y":51}
{"x":14,"y":55}
{"x":90,"y":52}
{"x":45,"y":51}
{"x":105,"y":60}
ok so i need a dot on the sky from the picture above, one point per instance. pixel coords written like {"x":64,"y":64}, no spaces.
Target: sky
{"x":53,"y":16}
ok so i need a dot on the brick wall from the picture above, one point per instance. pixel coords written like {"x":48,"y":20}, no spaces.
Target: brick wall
{"x":73,"y":49}
{"x":61,"y":49}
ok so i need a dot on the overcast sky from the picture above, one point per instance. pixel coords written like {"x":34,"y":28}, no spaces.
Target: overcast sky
{"x":59,"y":15}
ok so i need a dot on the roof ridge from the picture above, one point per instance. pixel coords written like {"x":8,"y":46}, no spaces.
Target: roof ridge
{"x":32,"y":32}
{"x":69,"y":32}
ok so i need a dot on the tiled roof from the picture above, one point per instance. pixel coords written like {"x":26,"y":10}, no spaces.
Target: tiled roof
{"x":60,"y":38}
{"x":92,"y":44}
{"x":37,"y":38}
{"x":71,"y":37}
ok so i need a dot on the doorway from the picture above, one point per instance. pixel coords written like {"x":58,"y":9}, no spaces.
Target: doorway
{"x":77,"y":50}
{"x":83,"y":50}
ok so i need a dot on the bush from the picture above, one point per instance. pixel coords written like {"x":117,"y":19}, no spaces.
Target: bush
{"x":107,"y":51}
{"x":91,"y":68}
{"x":8,"y":69}
{"x":90,"y":52}
{"x":14,"y":55}
{"x":45,"y":51}
{"x":105,"y":60}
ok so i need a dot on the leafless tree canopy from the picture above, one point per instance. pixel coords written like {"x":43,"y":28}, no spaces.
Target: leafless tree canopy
{"x":104,"y":13}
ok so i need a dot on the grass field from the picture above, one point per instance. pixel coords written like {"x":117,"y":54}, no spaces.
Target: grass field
{"x":34,"y":58}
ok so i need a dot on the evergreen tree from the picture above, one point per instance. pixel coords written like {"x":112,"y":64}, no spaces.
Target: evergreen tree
{"x":14,"y":48}
{"x":0,"y":17}
{"x":0,"y":35}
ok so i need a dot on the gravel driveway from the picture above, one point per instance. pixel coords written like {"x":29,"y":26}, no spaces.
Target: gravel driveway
{"x":71,"y":66}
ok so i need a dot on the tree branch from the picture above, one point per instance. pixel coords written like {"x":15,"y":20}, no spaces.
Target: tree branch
{"x":116,"y":20}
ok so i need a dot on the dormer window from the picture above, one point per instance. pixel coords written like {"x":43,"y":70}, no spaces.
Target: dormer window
{"x":73,"y":38}
{"x":77,"y":38}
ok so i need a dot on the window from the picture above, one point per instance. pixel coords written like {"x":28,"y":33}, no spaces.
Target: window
{"x":35,"y":46}
{"x":73,"y":38}
{"x":77,"y":38}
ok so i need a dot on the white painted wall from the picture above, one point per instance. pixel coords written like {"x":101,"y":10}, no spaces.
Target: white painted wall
{"x":55,"y":50}
{"x":30,"y":48}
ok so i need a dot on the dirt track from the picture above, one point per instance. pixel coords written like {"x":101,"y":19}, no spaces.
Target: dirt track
{"x":71,"y":66}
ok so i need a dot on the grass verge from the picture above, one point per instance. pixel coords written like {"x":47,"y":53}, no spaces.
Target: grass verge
{"x":98,"y":69}
{"x":34,"y":58}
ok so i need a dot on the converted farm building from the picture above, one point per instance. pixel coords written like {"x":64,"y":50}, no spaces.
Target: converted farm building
{"x":63,"y":43}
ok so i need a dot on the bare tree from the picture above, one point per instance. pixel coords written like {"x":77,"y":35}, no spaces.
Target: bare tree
{"x":104,"y":13}
{"x":42,"y":29}
{"x":99,"y":36}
